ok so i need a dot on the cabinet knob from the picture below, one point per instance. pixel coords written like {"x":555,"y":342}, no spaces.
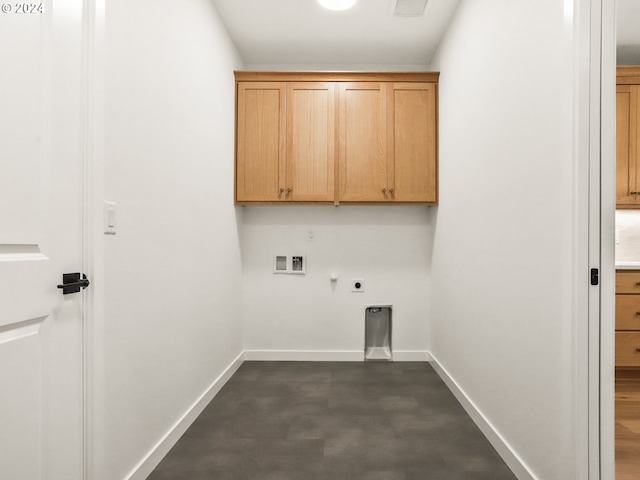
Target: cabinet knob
{"x":289,"y":190}
{"x":384,"y":190}
{"x":637,"y":284}
{"x":633,"y":193}
{"x":392,"y":191}
{"x":638,"y":313}
{"x":281,"y":190}
{"x":638,"y":349}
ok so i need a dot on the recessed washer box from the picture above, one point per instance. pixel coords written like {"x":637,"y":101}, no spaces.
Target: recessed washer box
{"x":280,"y":264}
{"x":292,"y":264}
{"x":298,"y":264}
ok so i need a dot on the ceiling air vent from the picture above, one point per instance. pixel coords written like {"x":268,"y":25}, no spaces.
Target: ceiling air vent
{"x":409,"y":8}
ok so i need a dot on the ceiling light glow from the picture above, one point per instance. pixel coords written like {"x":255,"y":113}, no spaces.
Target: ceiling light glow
{"x":337,"y":4}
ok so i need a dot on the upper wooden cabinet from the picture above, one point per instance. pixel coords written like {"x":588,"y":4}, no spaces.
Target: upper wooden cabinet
{"x":322,"y":137}
{"x":413,"y":166}
{"x":260,"y":142}
{"x":310,"y":154}
{"x":627,"y":132}
{"x":363,"y":142}
{"x":285,"y":148}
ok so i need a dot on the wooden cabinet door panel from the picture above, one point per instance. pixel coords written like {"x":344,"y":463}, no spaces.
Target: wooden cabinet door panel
{"x":412,"y":142}
{"x":627,"y":282}
{"x":627,"y":349}
{"x":260,"y":163}
{"x":627,"y":312}
{"x":626,"y":139}
{"x":310,"y":141}
{"x":362,"y":154}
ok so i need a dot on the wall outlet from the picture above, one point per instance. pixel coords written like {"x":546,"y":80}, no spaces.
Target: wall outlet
{"x":357,"y":285}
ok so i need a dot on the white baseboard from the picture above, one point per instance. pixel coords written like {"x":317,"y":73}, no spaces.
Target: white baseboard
{"x":303,"y":356}
{"x":328,"y":356}
{"x":157,"y":453}
{"x":411,"y":356}
{"x":511,"y":458}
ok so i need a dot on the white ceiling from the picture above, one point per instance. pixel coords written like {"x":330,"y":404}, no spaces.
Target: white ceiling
{"x":302,"y":33}
{"x":628,"y":32}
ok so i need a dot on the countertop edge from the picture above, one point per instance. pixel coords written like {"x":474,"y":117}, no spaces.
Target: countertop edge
{"x":627,"y":265}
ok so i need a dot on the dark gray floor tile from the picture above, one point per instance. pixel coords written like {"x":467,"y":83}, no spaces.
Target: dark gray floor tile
{"x":502,"y":473}
{"x":332,"y":420}
{"x":283,"y":475}
{"x":385,"y":475}
{"x":288,"y":456}
{"x":322,"y":426}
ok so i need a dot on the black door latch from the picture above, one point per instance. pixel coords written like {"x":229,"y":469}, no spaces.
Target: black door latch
{"x":595,"y":277}
{"x":72,"y":283}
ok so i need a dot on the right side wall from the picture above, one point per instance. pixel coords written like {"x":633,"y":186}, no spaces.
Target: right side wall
{"x":502,"y":265}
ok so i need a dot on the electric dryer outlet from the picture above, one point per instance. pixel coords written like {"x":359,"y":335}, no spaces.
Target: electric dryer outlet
{"x":357,"y":285}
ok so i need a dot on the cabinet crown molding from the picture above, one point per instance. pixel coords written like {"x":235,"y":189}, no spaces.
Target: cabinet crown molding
{"x":307,"y":76}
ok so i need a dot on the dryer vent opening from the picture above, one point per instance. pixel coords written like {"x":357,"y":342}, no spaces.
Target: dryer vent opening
{"x":377,"y":333}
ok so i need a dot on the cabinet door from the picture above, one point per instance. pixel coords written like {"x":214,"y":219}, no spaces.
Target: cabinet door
{"x":260,"y":136}
{"x":362,"y":155}
{"x":627,"y":312}
{"x":310,"y":142}
{"x":628,"y":282}
{"x":627,"y":349}
{"x":626,"y":144}
{"x":412,"y":142}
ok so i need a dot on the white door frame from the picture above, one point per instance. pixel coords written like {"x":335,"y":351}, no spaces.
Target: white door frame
{"x":594,"y":161}
{"x":604,"y":330}
{"x":594,"y":329}
{"x":94,"y":52}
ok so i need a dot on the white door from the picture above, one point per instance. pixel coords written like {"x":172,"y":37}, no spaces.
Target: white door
{"x":41,"y":212}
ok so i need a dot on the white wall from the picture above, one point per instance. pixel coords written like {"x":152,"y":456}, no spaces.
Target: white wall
{"x":291,"y":316}
{"x":502,"y":265}
{"x":172,"y":273}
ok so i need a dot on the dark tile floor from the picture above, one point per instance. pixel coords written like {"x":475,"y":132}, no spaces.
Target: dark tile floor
{"x":333,"y":421}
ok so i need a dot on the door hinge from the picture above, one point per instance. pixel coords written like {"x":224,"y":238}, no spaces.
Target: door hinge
{"x":595,"y":276}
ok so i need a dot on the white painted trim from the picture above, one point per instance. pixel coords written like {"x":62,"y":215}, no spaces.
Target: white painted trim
{"x":328,"y":356}
{"x":93,"y":45}
{"x":508,"y":454}
{"x":166,"y":443}
{"x":605,"y":373}
{"x":411,"y":356}
{"x":303,"y":356}
{"x":594,"y":70}
{"x":585,"y":298}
